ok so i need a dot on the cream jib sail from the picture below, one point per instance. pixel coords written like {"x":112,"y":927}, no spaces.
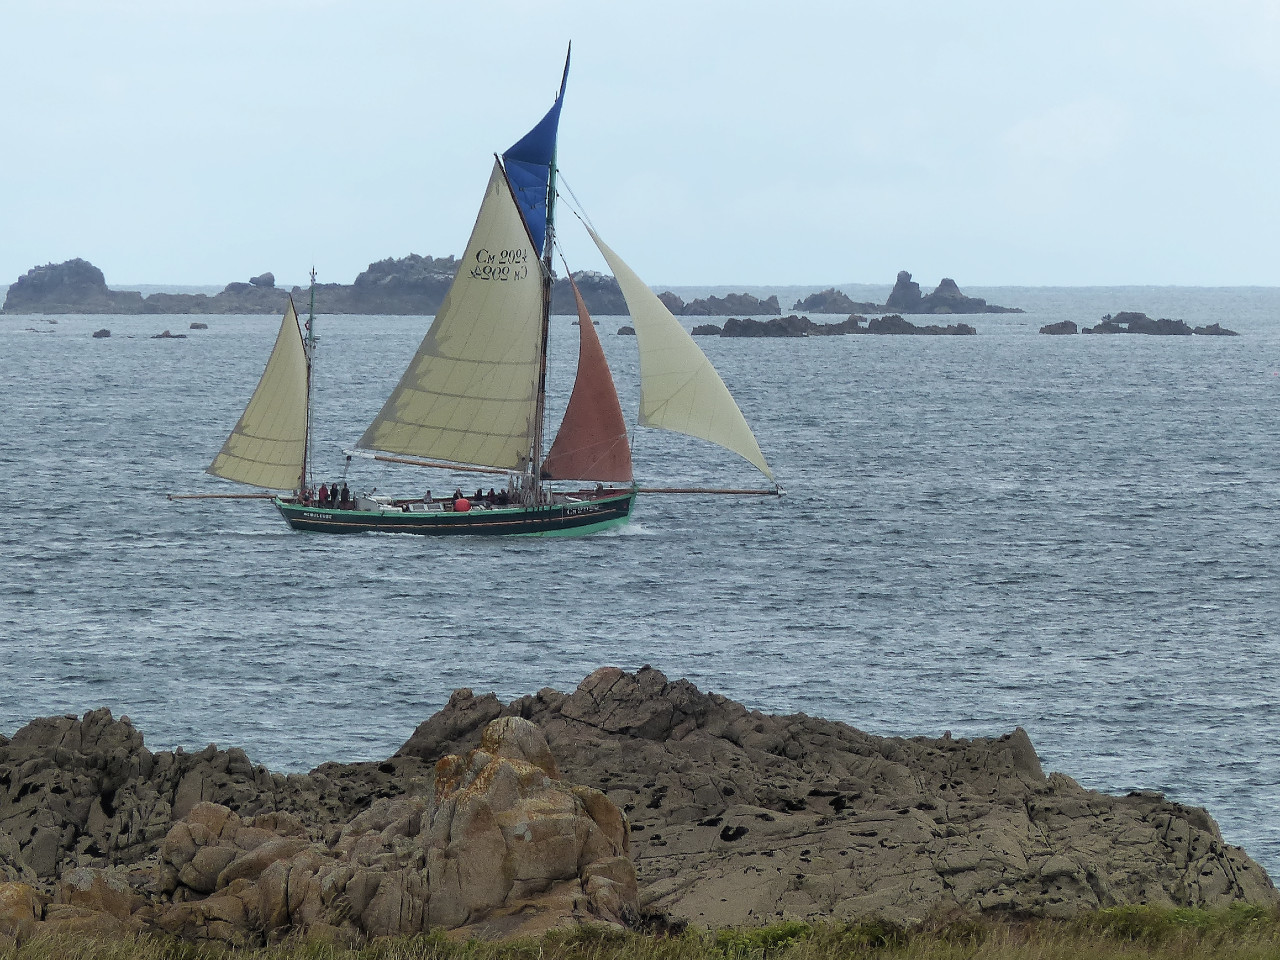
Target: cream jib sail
{"x":679,"y":388}
{"x":268,"y":447}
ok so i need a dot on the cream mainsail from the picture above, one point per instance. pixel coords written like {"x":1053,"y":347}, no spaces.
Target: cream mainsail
{"x":679,"y":388}
{"x":470,"y":394}
{"x":268,"y":446}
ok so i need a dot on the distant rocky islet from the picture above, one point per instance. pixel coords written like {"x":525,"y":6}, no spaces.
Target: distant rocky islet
{"x":416,"y":285}
{"x":797,"y":326}
{"x":1131,"y":322}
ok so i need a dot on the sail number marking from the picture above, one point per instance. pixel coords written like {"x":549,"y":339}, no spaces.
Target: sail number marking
{"x":501,"y":264}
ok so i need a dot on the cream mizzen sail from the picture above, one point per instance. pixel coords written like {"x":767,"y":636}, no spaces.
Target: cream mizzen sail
{"x":470,"y":394}
{"x":679,"y":388}
{"x":269,"y":444}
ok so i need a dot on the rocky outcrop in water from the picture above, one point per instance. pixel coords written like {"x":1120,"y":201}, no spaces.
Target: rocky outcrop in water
{"x":1061,"y":328}
{"x":1215,"y":330}
{"x":1131,"y":322}
{"x":945,"y":298}
{"x":795,"y":326}
{"x":730,"y":304}
{"x":791,"y":326}
{"x":893,"y":324}
{"x":75,"y":286}
{"x":832,"y":300}
{"x":631,"y":794}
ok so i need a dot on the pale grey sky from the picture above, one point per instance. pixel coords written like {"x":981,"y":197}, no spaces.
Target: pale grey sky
{"x":1119,"y":142}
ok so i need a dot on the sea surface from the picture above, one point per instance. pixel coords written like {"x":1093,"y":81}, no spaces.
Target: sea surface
{"x":1076,"y":535}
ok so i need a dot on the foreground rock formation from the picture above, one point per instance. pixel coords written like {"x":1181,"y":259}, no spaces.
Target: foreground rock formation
{"x":693,"y":806}
{"x":102,"y":837}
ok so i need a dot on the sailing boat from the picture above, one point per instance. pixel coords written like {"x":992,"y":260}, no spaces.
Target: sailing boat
{"x":473,"y":398}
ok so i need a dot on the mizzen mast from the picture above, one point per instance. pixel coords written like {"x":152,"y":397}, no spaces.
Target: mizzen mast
{"x":310,"y":346}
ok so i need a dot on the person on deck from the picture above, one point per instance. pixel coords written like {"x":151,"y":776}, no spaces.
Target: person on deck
{"x":324,"y":495}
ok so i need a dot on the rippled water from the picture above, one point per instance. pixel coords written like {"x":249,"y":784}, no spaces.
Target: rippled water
{"x":1073,"y":534}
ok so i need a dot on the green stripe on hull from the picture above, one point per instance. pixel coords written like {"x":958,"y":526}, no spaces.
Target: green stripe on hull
{"x":559,"y":520}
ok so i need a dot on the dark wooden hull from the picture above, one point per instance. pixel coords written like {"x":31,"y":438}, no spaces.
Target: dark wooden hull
{"x":564,"y":518}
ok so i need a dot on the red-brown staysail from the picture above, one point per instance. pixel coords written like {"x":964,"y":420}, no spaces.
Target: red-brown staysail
{"x":592,"y":441}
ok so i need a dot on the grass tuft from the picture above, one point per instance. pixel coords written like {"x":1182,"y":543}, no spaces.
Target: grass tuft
{"x":1121,"y":933}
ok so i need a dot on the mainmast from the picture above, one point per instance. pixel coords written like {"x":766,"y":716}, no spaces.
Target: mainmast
{"x":547,"y":249}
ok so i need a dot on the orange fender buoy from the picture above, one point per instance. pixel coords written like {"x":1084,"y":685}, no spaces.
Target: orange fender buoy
{"x":461,"y":505}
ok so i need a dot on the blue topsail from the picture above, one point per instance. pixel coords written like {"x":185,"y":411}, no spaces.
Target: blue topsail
{"x":530,"y":163}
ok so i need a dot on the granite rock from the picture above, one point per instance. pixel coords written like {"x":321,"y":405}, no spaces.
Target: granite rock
{"x":631,"y":795}
{"x":741,"y":818}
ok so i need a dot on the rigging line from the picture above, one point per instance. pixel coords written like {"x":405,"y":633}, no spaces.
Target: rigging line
{"x":576,"y":205}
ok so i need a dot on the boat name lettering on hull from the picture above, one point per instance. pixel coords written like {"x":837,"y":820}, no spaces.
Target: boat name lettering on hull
{"x":502,"y":265}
